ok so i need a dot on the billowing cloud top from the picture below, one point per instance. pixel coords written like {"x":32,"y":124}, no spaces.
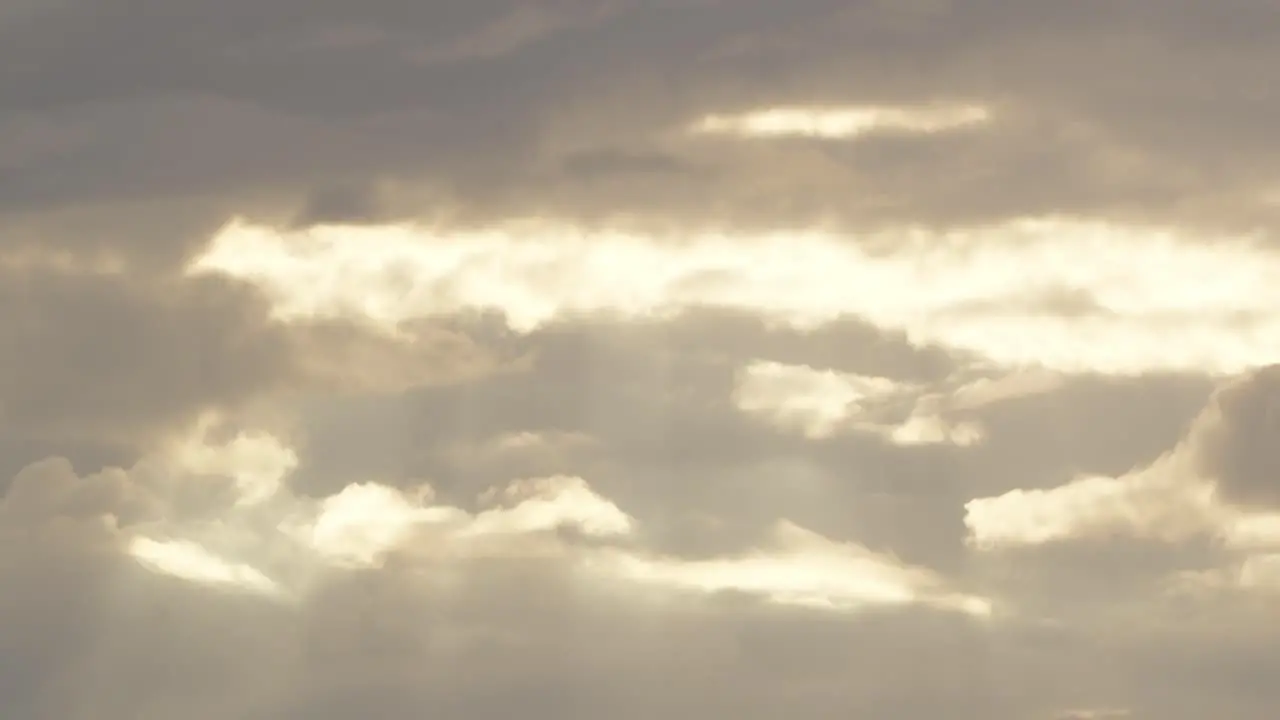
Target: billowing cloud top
{"x":637,"y":358}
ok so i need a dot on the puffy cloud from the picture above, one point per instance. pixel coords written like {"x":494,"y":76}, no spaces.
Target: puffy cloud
{"x":254,"y":575}
{"x":203,"y":496}
{"x":1159,"y":507}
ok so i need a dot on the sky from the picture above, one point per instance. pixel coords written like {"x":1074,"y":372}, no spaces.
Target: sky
{"x":639,"y":358}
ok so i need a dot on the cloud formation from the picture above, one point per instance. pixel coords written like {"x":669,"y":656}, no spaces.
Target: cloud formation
{"x":1212,"y":485}
{"x":1064,"y":295}
{"x":637,"y":358}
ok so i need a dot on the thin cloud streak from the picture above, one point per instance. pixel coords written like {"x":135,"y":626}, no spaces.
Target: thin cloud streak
{"x":844,"y":123}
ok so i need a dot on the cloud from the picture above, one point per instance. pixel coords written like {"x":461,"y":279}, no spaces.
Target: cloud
{"x":244,"y":508}
{"x":473,"y":107}
{"x":1234,"y":445}
{"x":171,"y":546}
{"x":193,"y":562}
{"x":997,"y":293}
{"x":809,"y":570}
{"x":635,"y":358}
{"x":841,"y":123}
{"x":224,"y":585}
{"x":821,"y":402}
{"x":1188,"y":493}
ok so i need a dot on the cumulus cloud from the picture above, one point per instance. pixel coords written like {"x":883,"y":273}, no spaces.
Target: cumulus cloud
{"x":477,"y":108}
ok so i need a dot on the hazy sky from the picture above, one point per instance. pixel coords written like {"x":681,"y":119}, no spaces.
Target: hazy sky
{"x":549,"y":359}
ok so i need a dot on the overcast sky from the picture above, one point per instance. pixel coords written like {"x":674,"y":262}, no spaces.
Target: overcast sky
{"x":549,"y":359}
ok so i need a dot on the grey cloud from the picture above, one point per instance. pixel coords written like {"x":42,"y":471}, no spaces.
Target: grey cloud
{"x":1235,"y":444}
{"x":1143,"y":111}
{"x":337,"y":204}
{"x":644,"y":412}
{"x":654,"y":399}
{"x":108,"y":363}
{"x":100,"y":638}
{"x":1087,"y":632}
{"x":525,"y":635}
{"x":111,"y":359}
{"x":1089,"y":426}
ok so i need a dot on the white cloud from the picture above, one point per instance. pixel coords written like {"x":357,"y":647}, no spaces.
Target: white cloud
{"x":552,"y":503}
{"x":920,"y":429}
{"x":276,"y":547}
{"x":362,"y":523}
{"x":257,"y":462}
{"x":1069,"y":296}
{"x":1162,"y":502}
{"x":1178,"y":497}
{"x":805,"y":569}
{"x":817,"y":402}
{"x":822,"y":402}
{"x":1148,"y":504}
{"x":839,"y":123}
{"x":191,"y":561}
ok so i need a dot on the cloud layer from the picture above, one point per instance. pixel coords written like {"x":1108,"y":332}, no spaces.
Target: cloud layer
{"x":637,"y":358}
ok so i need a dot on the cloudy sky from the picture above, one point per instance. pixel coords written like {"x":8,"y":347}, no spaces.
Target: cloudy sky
{"x":629,"y":359}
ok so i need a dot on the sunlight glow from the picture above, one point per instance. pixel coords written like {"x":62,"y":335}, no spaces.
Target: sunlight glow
{"x":362,"y":525}
{"x":1067,"y":296}
{"x":192,"y":562}
{"x":838,"y":123}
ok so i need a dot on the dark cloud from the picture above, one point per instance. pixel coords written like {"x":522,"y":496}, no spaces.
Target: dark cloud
{"x":1089,"y":426}
{"x":100,"y":365}
{"x":527,"y":635}
{"x":653,"y":400}
{"x":1235,"y":441}
{"x":341,"y":205}
{"x":112,"y":359}
{"x":645,"y":412}
{"x":1145,"y":110}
